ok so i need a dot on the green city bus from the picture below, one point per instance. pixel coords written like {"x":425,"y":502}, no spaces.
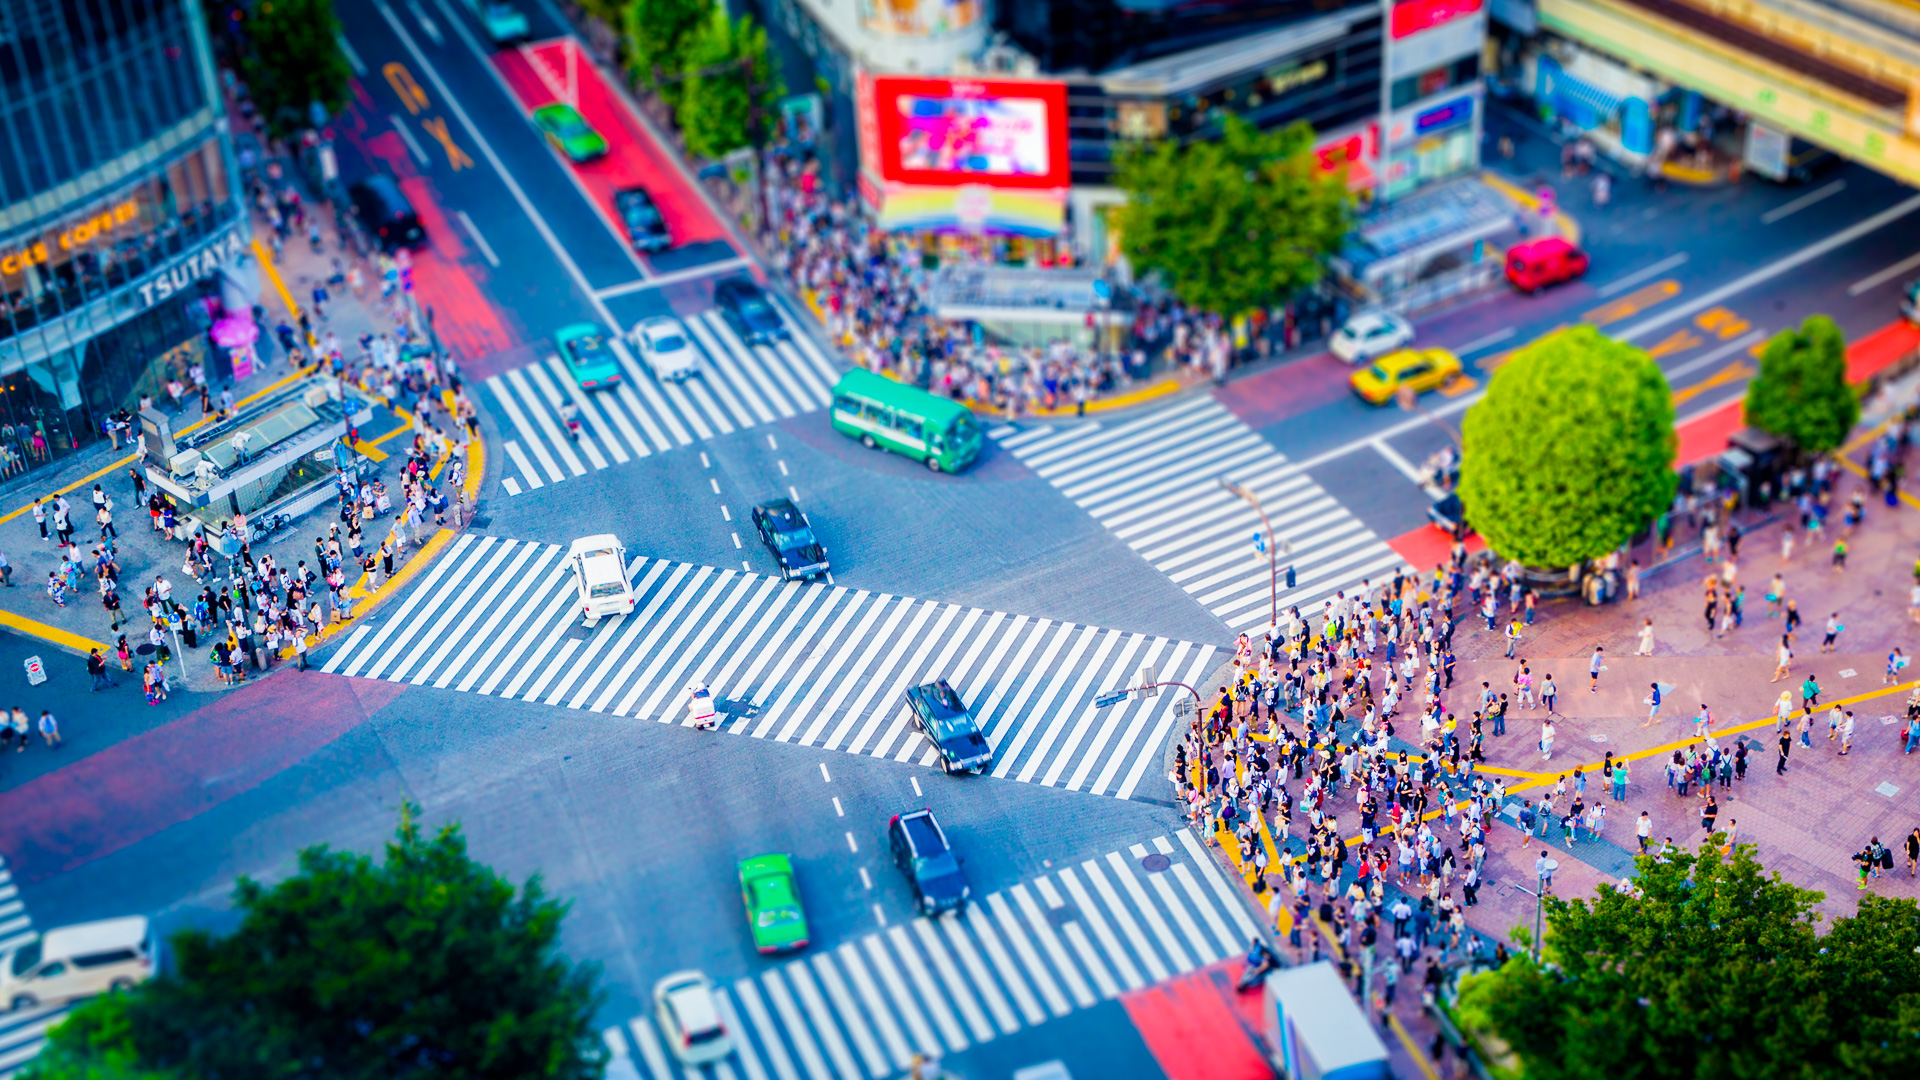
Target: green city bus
{"x":906,"y":420}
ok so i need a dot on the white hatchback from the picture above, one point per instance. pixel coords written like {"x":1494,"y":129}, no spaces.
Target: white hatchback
{"x":78,"y":961}
{"x":1370,"y":334}
{"x":600,"y":575}
{"x":664,"y":345}
{"x":689,"y":1017}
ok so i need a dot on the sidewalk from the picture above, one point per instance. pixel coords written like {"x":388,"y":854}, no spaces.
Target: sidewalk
{"x":289,"y":284}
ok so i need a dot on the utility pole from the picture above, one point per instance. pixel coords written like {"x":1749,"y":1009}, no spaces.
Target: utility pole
{"x":1273,"y":548}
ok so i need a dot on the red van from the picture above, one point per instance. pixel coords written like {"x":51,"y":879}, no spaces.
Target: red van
{"x":1544,"y":262}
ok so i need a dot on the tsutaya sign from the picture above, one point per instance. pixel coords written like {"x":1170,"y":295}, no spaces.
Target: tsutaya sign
{"x":1669,"y":53}
{"x":205,"y":262}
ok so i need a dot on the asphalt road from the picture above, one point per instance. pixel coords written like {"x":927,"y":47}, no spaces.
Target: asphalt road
{"x":1066,"y":559}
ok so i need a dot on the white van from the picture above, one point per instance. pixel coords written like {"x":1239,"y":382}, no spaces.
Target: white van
{"x":600,"y":576}
{"x":78,"y":961}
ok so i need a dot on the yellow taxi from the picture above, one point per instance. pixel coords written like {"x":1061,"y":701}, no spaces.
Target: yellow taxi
{"x":1419,"y":370}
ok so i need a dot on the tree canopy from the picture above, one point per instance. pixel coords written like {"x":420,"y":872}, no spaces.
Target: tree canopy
{"x":1801,"y":393}
{"x":1234,"y":223}
{"x":1571,"y":452}
{"x":426,"y":964}
{"x":1716,"y":971}
{"x":713,"y":107}
{"x":291,"y":59}
{"x":659,"y":34}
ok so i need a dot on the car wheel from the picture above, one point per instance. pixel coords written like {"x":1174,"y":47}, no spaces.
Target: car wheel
{"x":24,"y":1001}
{"x":946,"y":766}
{"x":933,"y":464}
{"x":121,"y":983}
{"x":867,"y":441}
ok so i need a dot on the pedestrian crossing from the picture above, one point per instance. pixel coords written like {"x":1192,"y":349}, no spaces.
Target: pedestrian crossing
{"x":1154,"y":482}
{"x":23,"y":1033}
{"x":1038,"y":950}
{"x":812,"y":664}
{"x":739,"y":386}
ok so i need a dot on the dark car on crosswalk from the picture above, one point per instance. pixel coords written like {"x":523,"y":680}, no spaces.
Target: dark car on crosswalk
{"x":920,"y":849}
{"x":746,"y":308}
{"x":950,"y":727}
{"x":787,"y":533}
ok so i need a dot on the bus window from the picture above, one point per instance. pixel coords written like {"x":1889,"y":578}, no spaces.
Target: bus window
{"x":908,"y":424}
{"x":847,"y":403}
{"x":879,"y":414}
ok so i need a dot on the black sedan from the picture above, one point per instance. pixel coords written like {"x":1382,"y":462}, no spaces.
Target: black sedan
{"x":920,"y":849}
{"x":646,"y":229}
{"x":950,"y":727}
{"x":786,"y":532}
{"x":746,"y":308}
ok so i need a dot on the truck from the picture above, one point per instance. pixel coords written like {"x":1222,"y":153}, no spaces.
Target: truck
{"x":1316,"y":1031}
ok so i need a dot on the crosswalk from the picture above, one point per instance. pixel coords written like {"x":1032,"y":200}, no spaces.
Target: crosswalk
{"x":1154,"y":482}
{"x":820,"y":665}
{"x":24,"y":1032}
{"x":1019,"y":957}
{"x":740,"y":386}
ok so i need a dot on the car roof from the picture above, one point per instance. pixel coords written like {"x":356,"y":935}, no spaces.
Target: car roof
{"x":1366,"y":320}
{"x":762,"y":865}
{"x":639,"y":193}
{"x":665,"y":324}
{"x":1546,"y":245}
{"x":738,"y":285}
{"x":576,"y":330}
{"x":1400,"y":358}
{"x":692,"y":999}
{"x":557,"y":108}
{"x":122,"y":933}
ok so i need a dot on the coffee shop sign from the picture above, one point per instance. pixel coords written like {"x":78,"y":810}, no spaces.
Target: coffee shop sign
{"x":203,"y":263}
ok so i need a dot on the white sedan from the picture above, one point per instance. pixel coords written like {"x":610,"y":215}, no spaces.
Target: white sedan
{"x":1370,"y":334}
{"x":600,"y":576}
{"x":690,"y":1018}
{"x":663,"y":344}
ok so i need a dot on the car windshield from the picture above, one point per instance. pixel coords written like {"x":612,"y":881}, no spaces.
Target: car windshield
{"x":607,"y":588}
{"x":589,"y":348}
{"x":639,"y":213}
{"x":1380,"y":373}
{"x":26,"y":958}
{"x":756,"y":311}
{"x":777,"y":917}
{"x":567,"y":123}
{"x":669,"y":343}
{"x":798,"y":538}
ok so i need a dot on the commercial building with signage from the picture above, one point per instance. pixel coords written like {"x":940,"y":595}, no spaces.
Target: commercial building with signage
{"x":121,"y":218}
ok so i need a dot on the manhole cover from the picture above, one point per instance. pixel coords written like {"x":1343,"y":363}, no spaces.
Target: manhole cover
{"x":1060,"y":916}
{"x":1155,"y":863}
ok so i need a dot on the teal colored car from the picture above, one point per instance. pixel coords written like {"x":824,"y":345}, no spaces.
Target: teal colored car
{"x":589,"y":359}
{"x":504,"y":23}
{"x":567,"y":130}
{"x":773,"y":904}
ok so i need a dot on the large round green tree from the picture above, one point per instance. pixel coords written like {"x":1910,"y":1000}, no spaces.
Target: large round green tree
{"x":1571,"y":452}
{"x":427,"y":964}
{"x":1801,"y":393}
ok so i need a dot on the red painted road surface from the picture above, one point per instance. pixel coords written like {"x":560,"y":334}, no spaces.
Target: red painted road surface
{"x":1199,"y":1027}
{"x":1286,"y":391}
{"x":137,"y":788}
{"x":1427,"y":546}
{"x":539,"y":75}
{"x":448,"y":276}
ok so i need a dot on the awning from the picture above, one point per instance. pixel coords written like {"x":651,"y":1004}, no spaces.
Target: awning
{"x":1584,"y":105}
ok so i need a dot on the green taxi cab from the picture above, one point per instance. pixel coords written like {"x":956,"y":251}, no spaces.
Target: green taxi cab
{"x":774,"y":915}
{"x":589,"y":359}
{"x":569,"y":132}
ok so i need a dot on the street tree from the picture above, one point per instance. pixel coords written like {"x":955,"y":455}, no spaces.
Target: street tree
{"x":1235,"y":223}
{"x":729,"y":79}
{"x":291,"y":59}
{"x":1571,"y":452}
{"x":658,"y":36}
{"x":425,"y":964}
{"x":1717,"y":970}
{"x":1801,"y":393}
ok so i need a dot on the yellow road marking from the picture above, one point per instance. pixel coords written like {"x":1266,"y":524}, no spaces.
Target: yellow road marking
{"x":1679,"y":341}
{"x":1458,"y":385}
{"x":64,"y":638}
{"x":1633,"y":303}
{"x":273,"y":274}
{"x":1733,"y":372}
{"x":369,"y":451}
{"x":1721,"y":323}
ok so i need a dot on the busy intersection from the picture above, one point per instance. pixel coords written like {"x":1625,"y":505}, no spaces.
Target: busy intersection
{"x":622,"y":567}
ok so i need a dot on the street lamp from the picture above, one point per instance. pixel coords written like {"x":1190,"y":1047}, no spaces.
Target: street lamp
{"x":1545,"y":878}
{"x":1242,"y":492}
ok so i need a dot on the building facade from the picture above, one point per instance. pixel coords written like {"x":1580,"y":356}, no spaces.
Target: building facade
{"x":122,"y":219}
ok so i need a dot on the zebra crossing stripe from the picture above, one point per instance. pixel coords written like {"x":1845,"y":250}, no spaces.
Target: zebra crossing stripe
{"x":742,"y":1046}
{"x":824,"y":666}
{"x":857,"y":1028}
{"x":1153,"y":483}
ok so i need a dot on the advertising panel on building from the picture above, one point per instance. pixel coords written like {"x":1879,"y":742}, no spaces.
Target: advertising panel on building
{"x":982,"y":155}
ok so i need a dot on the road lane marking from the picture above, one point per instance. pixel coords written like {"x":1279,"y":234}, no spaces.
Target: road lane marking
{"x":673,"y":277}
{"x":358,"y":65}
{"x":1876,"y":280}
{"x":493,"y":158}
{"x":413,"y":145}
{"x":1717,"y":355}
{"x":1633,"y":303}
{"x":1489,"y":341}
{"x":1790,"y":208}
{"x":427,"y":24}
{"x":1398,"y":461}
{"x":479,"y":241}
{"x":1679,"y":341}
{"x":1620,"y":285}
{"x":1733,"y":372}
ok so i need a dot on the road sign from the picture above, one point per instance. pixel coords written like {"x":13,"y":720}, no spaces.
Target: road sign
{"x":1183,"y":708}
{"x":36,"y":671}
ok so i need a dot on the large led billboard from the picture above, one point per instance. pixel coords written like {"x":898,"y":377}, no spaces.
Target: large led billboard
{"x":1009,"y":133}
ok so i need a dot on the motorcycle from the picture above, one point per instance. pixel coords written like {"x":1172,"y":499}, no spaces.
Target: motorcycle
{"x":700,"y":707}
{"x":1260,"y":961}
